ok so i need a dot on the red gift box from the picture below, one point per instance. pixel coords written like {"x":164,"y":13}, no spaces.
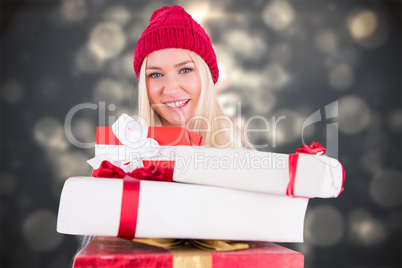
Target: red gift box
{"x":117,"y":252}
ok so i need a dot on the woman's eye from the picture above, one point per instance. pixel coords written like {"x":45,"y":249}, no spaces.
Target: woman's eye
{"x":185,"y":70}
{"x":155,"y":75}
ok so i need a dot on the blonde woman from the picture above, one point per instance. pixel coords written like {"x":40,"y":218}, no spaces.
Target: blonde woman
{"x":177,"y":70}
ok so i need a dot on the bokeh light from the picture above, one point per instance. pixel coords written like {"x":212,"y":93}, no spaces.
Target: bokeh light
{"x":123,"y":66}
{"x":39,"y":230}
{"x":324,"y":226}
{"x":395,"y":120}
{"x":110,"y":91}
{"x":87,"y":60}
{"x":280,"y":54}
{"x":367,"y":28}
{"x":341,"y":77}
{"x":385,"y":188}
{"x":73,"y":10}
{"x":252,"y":47}
{"x":107,"y":40}
{"x":288,"y":126}
{"x":363,"y":24}
{"x":49,"y":133}
{"x":354,"y":114}
{"x":83,"y":130}
{"x":364,"y":229}
{"x":263,"y":101}
{"x":278,"y":14}
{"x":118,"y":14}
{"x":326,"y":41}
{"x":229,"y":102}
{"x":276,"y":75}
{"x":12,"y":92}
{"x":70,"y":164}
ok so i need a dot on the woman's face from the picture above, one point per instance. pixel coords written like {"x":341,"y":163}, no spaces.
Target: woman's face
{"x":173,"y":84}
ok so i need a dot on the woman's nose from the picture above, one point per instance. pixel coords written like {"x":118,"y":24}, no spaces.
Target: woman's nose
{"x":172,"y":87}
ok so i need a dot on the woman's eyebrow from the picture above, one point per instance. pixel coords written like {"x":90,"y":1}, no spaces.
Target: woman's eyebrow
{"x":183,"y":63}
{"x":176,"y":65}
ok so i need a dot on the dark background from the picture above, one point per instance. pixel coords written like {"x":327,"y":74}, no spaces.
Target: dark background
{"x":289,"y":58}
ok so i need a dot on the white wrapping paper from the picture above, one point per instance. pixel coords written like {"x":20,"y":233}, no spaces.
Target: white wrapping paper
{"x":316,"y":176}
{"x":91,"y":206}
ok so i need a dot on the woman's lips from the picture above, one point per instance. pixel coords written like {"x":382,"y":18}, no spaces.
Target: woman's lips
{"x":177,"y":104}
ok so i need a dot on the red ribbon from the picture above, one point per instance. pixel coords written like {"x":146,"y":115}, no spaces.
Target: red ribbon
{"x":131,"y":191}
{"x":129,"y":208}
{"x":149,"y":173}
{"x":314,"y":148}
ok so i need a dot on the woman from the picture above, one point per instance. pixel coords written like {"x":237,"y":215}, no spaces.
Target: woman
{"x":177,"y":69}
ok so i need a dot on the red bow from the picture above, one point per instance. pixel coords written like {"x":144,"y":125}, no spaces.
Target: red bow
{"x":150,"y":173}
{"x":314,"y":148}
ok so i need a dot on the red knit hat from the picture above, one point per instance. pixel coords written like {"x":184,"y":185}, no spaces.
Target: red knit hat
{"x":173,"y":27}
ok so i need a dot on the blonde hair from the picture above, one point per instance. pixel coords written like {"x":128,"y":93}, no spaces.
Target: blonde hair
{"x":216,"y":128}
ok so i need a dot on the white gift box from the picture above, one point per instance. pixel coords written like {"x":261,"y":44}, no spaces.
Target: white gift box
{"x":315,"y":176}
{"x":92,"y":206}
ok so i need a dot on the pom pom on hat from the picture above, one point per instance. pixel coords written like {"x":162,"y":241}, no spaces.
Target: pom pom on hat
{"x":173,"y":27}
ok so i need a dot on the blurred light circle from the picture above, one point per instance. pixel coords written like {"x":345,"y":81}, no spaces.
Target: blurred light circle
{"x":326,"y":41}
{"x":8,"y":183}
{"x":118,"y":14}
{"x":263,"y":101}
{"x":364,"y":230}
{"x":368,"y":29}
{"x":110,"y":91}
{"x":73,"y":10}
{"x":286,"y":126}
{"x":49,"y":133}
{"x":107,"y":40}
{"x":277,"y":76}
{"x":341,"y":77}
{"x":280,"y":54}
{"x":395,"y":120}
{"x":83,"y":130}
{"x":12,"y":92}
{"x":363,"y":24}
{"x":71,"y":164}
{"x":324,"y":226}
{"x":39,"y":231}
{"x":229,"y":102}
{"x":278,"y":14}
{"x":354,"y":115}
{"x":123,"y":66}
{"x":253,"y":47}
{"x":385,"y":188}
{"x":87,"y":60}
{"x":248,"y":79}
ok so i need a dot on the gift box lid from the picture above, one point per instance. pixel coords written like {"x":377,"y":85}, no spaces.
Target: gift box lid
{"x":117,"y":252}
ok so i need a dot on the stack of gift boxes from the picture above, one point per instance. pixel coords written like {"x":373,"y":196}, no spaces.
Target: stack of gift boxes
{"x":159,"y":182}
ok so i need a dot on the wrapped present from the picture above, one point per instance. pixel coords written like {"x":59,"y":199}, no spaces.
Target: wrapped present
{"x":301,"y":174}
{"x":115,"y":252}
{"x":154,"y":209}
{"x":307,"y":173}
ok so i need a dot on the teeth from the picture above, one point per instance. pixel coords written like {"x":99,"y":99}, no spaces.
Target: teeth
{"x":176,"y":104}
